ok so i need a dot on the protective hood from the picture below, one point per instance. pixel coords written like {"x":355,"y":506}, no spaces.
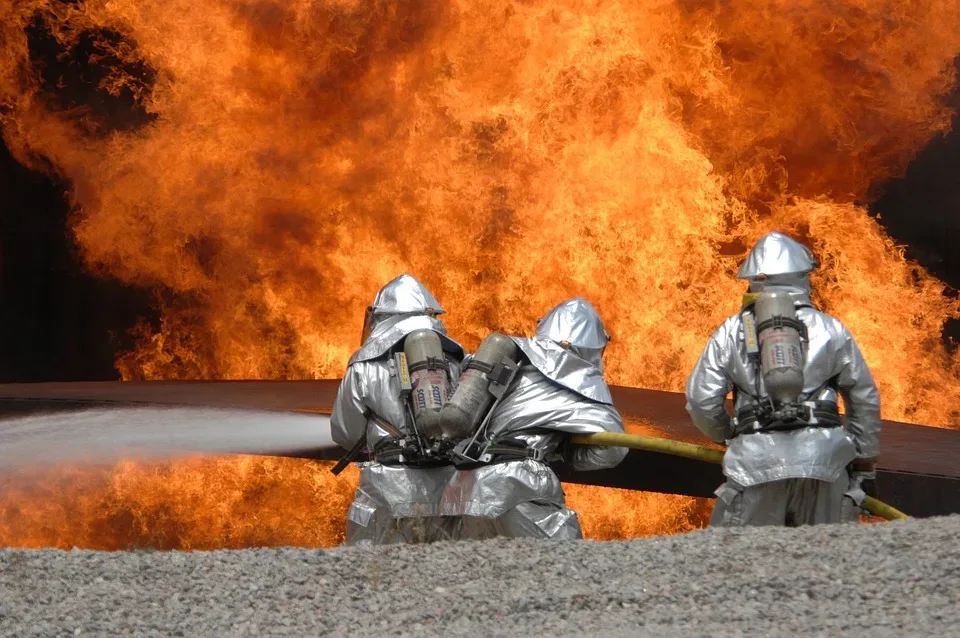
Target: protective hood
{"x":776,"y":254}
{"x":795,"y":285}
{"x":577,"y":325}
{"x":390,"y":331}
{"x":405,"y":295}
{"x":564,"y":367}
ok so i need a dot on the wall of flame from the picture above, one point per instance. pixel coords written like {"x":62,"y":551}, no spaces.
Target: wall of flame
{"x":510,"y":153}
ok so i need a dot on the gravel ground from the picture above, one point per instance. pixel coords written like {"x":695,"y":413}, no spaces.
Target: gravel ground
{"x":891,"y":579}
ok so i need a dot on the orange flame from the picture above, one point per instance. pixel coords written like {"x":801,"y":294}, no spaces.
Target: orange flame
{"x":291,"y":157}
{"x":251,"y":502}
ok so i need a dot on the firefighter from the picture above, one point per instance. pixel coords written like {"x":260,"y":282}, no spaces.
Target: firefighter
{"x":791,"y":458}
{"x":389,"y":402}
{"x":518,"y":402}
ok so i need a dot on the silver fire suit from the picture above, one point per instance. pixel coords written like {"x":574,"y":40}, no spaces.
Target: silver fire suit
{"x":393,"y":503}
{"x":797,"y":476}
{"x":556,"y":393}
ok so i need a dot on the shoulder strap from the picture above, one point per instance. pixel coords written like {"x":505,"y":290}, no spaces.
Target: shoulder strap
{"x":749,"y":327}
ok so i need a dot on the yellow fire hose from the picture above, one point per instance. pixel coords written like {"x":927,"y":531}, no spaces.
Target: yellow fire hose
{"x":702,"y":453}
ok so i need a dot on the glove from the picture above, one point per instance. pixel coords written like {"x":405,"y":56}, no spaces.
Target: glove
{"x":863,"y":475}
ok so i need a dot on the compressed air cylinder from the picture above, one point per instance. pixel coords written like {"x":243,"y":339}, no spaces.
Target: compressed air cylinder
{"x":781,"y":356}
{"x":466,"y":409}
{"x":428,"y":376}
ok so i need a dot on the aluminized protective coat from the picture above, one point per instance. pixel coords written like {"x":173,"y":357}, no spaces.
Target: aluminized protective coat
{"x":514,"y":499}
{"x":404,"y":295}
{"x":566,"y":368}
{"x":530,"y":519}
{"x":395,"y":504}
{"x":800,"y":501}
{"x":535,"y":402}
{"x":777,"y":254}
{"x":539,"y":411}
{"x":386,"y":496}
{"x":369,"y":385}
{"x":818,"y":453}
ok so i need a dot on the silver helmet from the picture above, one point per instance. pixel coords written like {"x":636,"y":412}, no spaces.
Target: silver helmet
{"x":778,"y":261}
{"x":576,"y":325}
{"x":776,"y":254}
{"x":403,"y":295}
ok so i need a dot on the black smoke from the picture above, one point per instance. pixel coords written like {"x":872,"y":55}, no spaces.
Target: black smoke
{"x":921,"y":210}
{"x":58,"y":322}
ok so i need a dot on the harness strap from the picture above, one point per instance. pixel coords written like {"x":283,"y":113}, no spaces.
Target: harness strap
{"x":763,"y":418}
{"x":780,"y":322}
{"x":500,"y":451}
{"x":430,"y":363}
{"x":351,"y":454}
{"x":480,"y":365}
{"x":392,"y":453}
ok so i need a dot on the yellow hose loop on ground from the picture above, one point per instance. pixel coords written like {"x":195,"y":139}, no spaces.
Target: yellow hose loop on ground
{"x":701,"y":453}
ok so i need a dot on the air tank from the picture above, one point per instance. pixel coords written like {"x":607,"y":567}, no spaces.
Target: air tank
{"x":428,"y":377}
{"x":781,"y":354}
{"x":469,"y":404}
